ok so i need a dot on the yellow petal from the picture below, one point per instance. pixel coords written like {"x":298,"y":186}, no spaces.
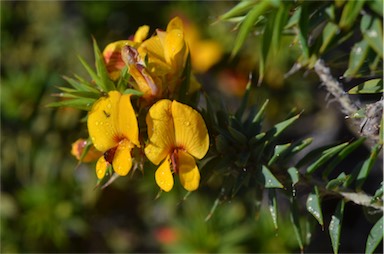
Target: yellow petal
{"x":102,"y":122}
{"x":175,"y":49}
{"x":190,"y":130}
{"x":101,"y":167}
{"x":141,"y":34}
{"x":127,"y":122}
{"x":163,"y":175}
{"x":188,"y":172}
{"x":153,"y":48}
{"x":160,"y":131}
{"x":175,"y":23}
{"x":122,"y":160}
{"x":112,"y":57}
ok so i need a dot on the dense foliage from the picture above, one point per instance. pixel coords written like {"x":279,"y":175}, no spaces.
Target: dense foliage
{"x":267,"y":159}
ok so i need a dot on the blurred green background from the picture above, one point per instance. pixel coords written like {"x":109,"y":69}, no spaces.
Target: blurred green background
{"x":50,"y":205}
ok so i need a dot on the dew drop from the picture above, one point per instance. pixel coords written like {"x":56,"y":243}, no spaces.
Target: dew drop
{"x":187,"y":123}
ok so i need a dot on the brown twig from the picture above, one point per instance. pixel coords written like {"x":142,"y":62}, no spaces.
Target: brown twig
{"x":367,"y":126}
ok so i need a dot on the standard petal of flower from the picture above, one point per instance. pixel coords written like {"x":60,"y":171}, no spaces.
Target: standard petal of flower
{"x":153,"y":48}
{"x":175,"y":23}
{"x":190,"y":130}
{"x":188,"y":172}
{"x":141,"y":34}
{"x":160,"y":131}
{"x":122,"y":160}
{"x":163,"y":175}
{"x":127,"y":120}
{"x":101,"y":167}
{"x":102,"y":122}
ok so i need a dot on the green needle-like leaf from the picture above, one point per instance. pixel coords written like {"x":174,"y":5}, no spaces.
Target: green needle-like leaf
{"x":375,"y":236}
{"x":326,"y":155}
{"x":341,"y":156}
{"x":280,"y":127}
{"x":335,"y":183}
{"x":294,"y":217}
{"x":272,"y":204}
{"x":303,"y":28}
{"x":278,"y":153}
{"x":81,"y":103}
{"x":357,"y":58}
{"x":240,"y":9}
{"x":367,"y":166}
{"x":313,"y":205}
{"x":105,"y":81}
{"x":372,"y":30}
{"x":269,"y":179}
{"x":372,"y":86}
{"x":335,"y":226}
{"x":294,"y":174}
{"x":248,"y":23}
{"x":350,"y":12}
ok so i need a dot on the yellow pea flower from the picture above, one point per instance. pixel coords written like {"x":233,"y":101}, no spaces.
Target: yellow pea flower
{"x":177,"y":135}
{"x":77,"y":150}
{"x":114,"y":131}
{"x":112,"y":52}
{"x":167,"y":54}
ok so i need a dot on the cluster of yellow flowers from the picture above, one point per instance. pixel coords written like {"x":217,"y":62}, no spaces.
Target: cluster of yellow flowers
{"x":177,"y":134}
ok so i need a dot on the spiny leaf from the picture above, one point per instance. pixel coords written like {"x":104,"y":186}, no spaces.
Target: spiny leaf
{"x":335,"y":183}
{"x":341,"y":156}
{"x":105,"y":82}
{"x":93,"y":75}
{"x":260,"y":113}
{"x":378,"y":194}
{"x":269,"y":179}
{"x":248,"y":23}
{"x":81,"y":103}
{"x":81,"y":85}
{"x":375,"y":236}
{"x":303,"y":29}
{"x":272,"y":204}
{"x":240,"y":9}
{"x":326,"y":155}
{"x":350,"y":12}
{"x":372,"y":30}
{"x":372,"y":86}
{"x":72,"y":93}
{"x":133,"y":92}
{"x":329,"y":33}
{"x":278,"y":152}
{"x":357,"y":58}
{"x":367,"y":166}
{"x":294,"y":218}
{"x":313,"y":205}
{"x":335,"y":226}
{"x":280,"y":127}
{"x":294,"y":175}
